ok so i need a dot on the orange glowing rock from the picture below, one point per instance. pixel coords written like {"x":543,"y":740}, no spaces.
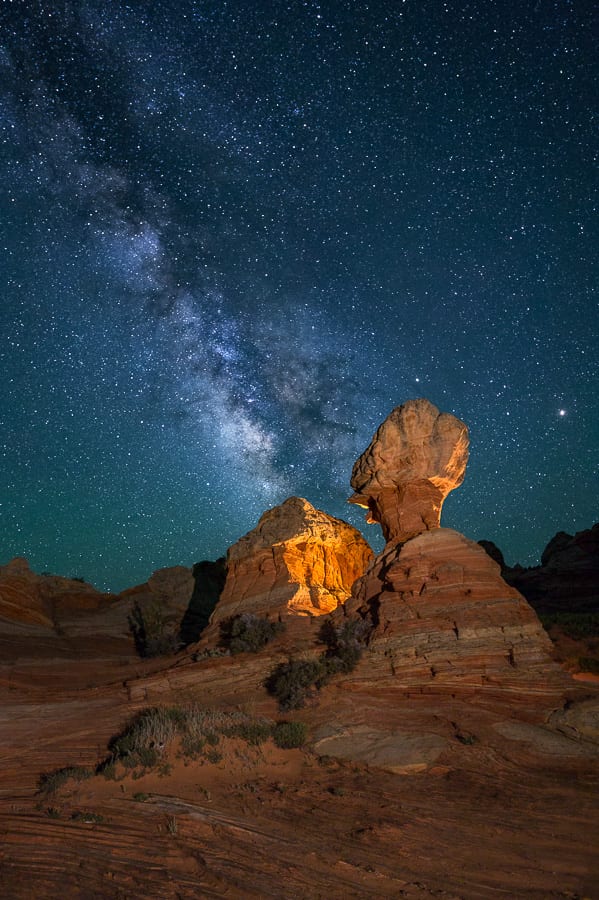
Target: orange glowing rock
{"x":298,"y":561}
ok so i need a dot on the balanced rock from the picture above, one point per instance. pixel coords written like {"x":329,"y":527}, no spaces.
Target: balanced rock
{"x":416,"y":457}
{"x":298,"y":561}
{"x":438,"y":608}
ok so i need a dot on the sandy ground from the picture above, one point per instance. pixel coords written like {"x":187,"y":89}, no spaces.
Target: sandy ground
{"x":513,"y":814}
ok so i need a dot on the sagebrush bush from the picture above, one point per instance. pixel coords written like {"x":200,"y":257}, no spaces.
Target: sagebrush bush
{"x":153,"y":731}
{"x":293,"y":682}
{"x":289,"y":735}
{"x":248,"y":633}
{"x":345,"y":642}
{"x":148,"y":623}
{"x":50,"y":782}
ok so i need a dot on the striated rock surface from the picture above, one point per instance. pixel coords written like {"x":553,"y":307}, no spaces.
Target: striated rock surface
{"x":28,"y":600}
{"x":69,"y":615}
{"x":416,"y":457}
{"x":437,"y":605}
{"x":298,"y":561}
{"x":440,"y":611}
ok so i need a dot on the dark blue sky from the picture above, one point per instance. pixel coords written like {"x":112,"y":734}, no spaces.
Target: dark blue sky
{"x":235,"y":235}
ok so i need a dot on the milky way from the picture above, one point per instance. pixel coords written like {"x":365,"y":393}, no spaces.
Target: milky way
{"x":235,"y":235}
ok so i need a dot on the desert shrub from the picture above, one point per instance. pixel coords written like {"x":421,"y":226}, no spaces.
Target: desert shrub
{"x":150,"y":629}
{"x":144,"y":740}
{"x":108,"y":770}
{"x":248,"y":633}
{"x":589,"y":664}
{"x":288,"y":735}
{"x":293,"y":682}
{"x":50,"y":782}
{"x":345,"y":643}
{"x":253,"y":731}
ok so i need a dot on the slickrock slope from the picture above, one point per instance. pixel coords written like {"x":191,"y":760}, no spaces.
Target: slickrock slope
{"x":416,"y":457}
{"x":441,"y":612}
{"x":298,"y":561}
{"x":28,"y":599}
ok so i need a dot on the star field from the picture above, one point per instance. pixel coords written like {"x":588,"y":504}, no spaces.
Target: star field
{"x":234,"y":236}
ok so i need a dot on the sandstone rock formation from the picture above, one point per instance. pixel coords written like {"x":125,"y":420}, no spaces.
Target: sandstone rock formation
{"x":70,"y":615}
{"x":28,"y":599}
{"x":441,"y":611}
{"x":298,"y":561}
{"x":436,"y":601}
{"x":416,"y":457}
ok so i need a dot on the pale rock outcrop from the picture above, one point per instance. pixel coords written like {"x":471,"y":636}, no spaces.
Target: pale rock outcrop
{"x":298,"y":561}
{"x":416,"y":457}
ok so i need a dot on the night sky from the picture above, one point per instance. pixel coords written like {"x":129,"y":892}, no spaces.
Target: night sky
{"x":234,"y":235}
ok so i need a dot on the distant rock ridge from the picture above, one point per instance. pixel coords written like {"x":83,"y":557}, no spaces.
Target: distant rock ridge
{"x":567,"y":579}
{"x":297,"y":561}
{"x":416,"y":457}
{"x":72,"y":613}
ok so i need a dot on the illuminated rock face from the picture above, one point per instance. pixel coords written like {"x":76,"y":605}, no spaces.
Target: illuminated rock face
{"x":416,"y":457}
{"x":297,"y":561}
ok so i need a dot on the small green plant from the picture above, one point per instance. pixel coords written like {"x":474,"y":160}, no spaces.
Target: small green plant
{"x":254,"y":731}
{"x":53,"y":813}
{"x":108,"y":770}
{"x":214,"y":756}
{"x":172,"y":825}
{"x":248,"y":633}
{"x":141,"y":797}
{"x":89,"y":818}
{"x":288,"y":735}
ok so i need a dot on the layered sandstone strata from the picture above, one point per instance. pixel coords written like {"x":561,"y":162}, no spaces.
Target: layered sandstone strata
{"x":440,"y":609}
{"x":436,"y":602}
{"x":416,"y":457}
{"x":297,"y":561}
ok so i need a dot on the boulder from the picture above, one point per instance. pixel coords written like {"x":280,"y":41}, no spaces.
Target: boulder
{"x":416,"y":457}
